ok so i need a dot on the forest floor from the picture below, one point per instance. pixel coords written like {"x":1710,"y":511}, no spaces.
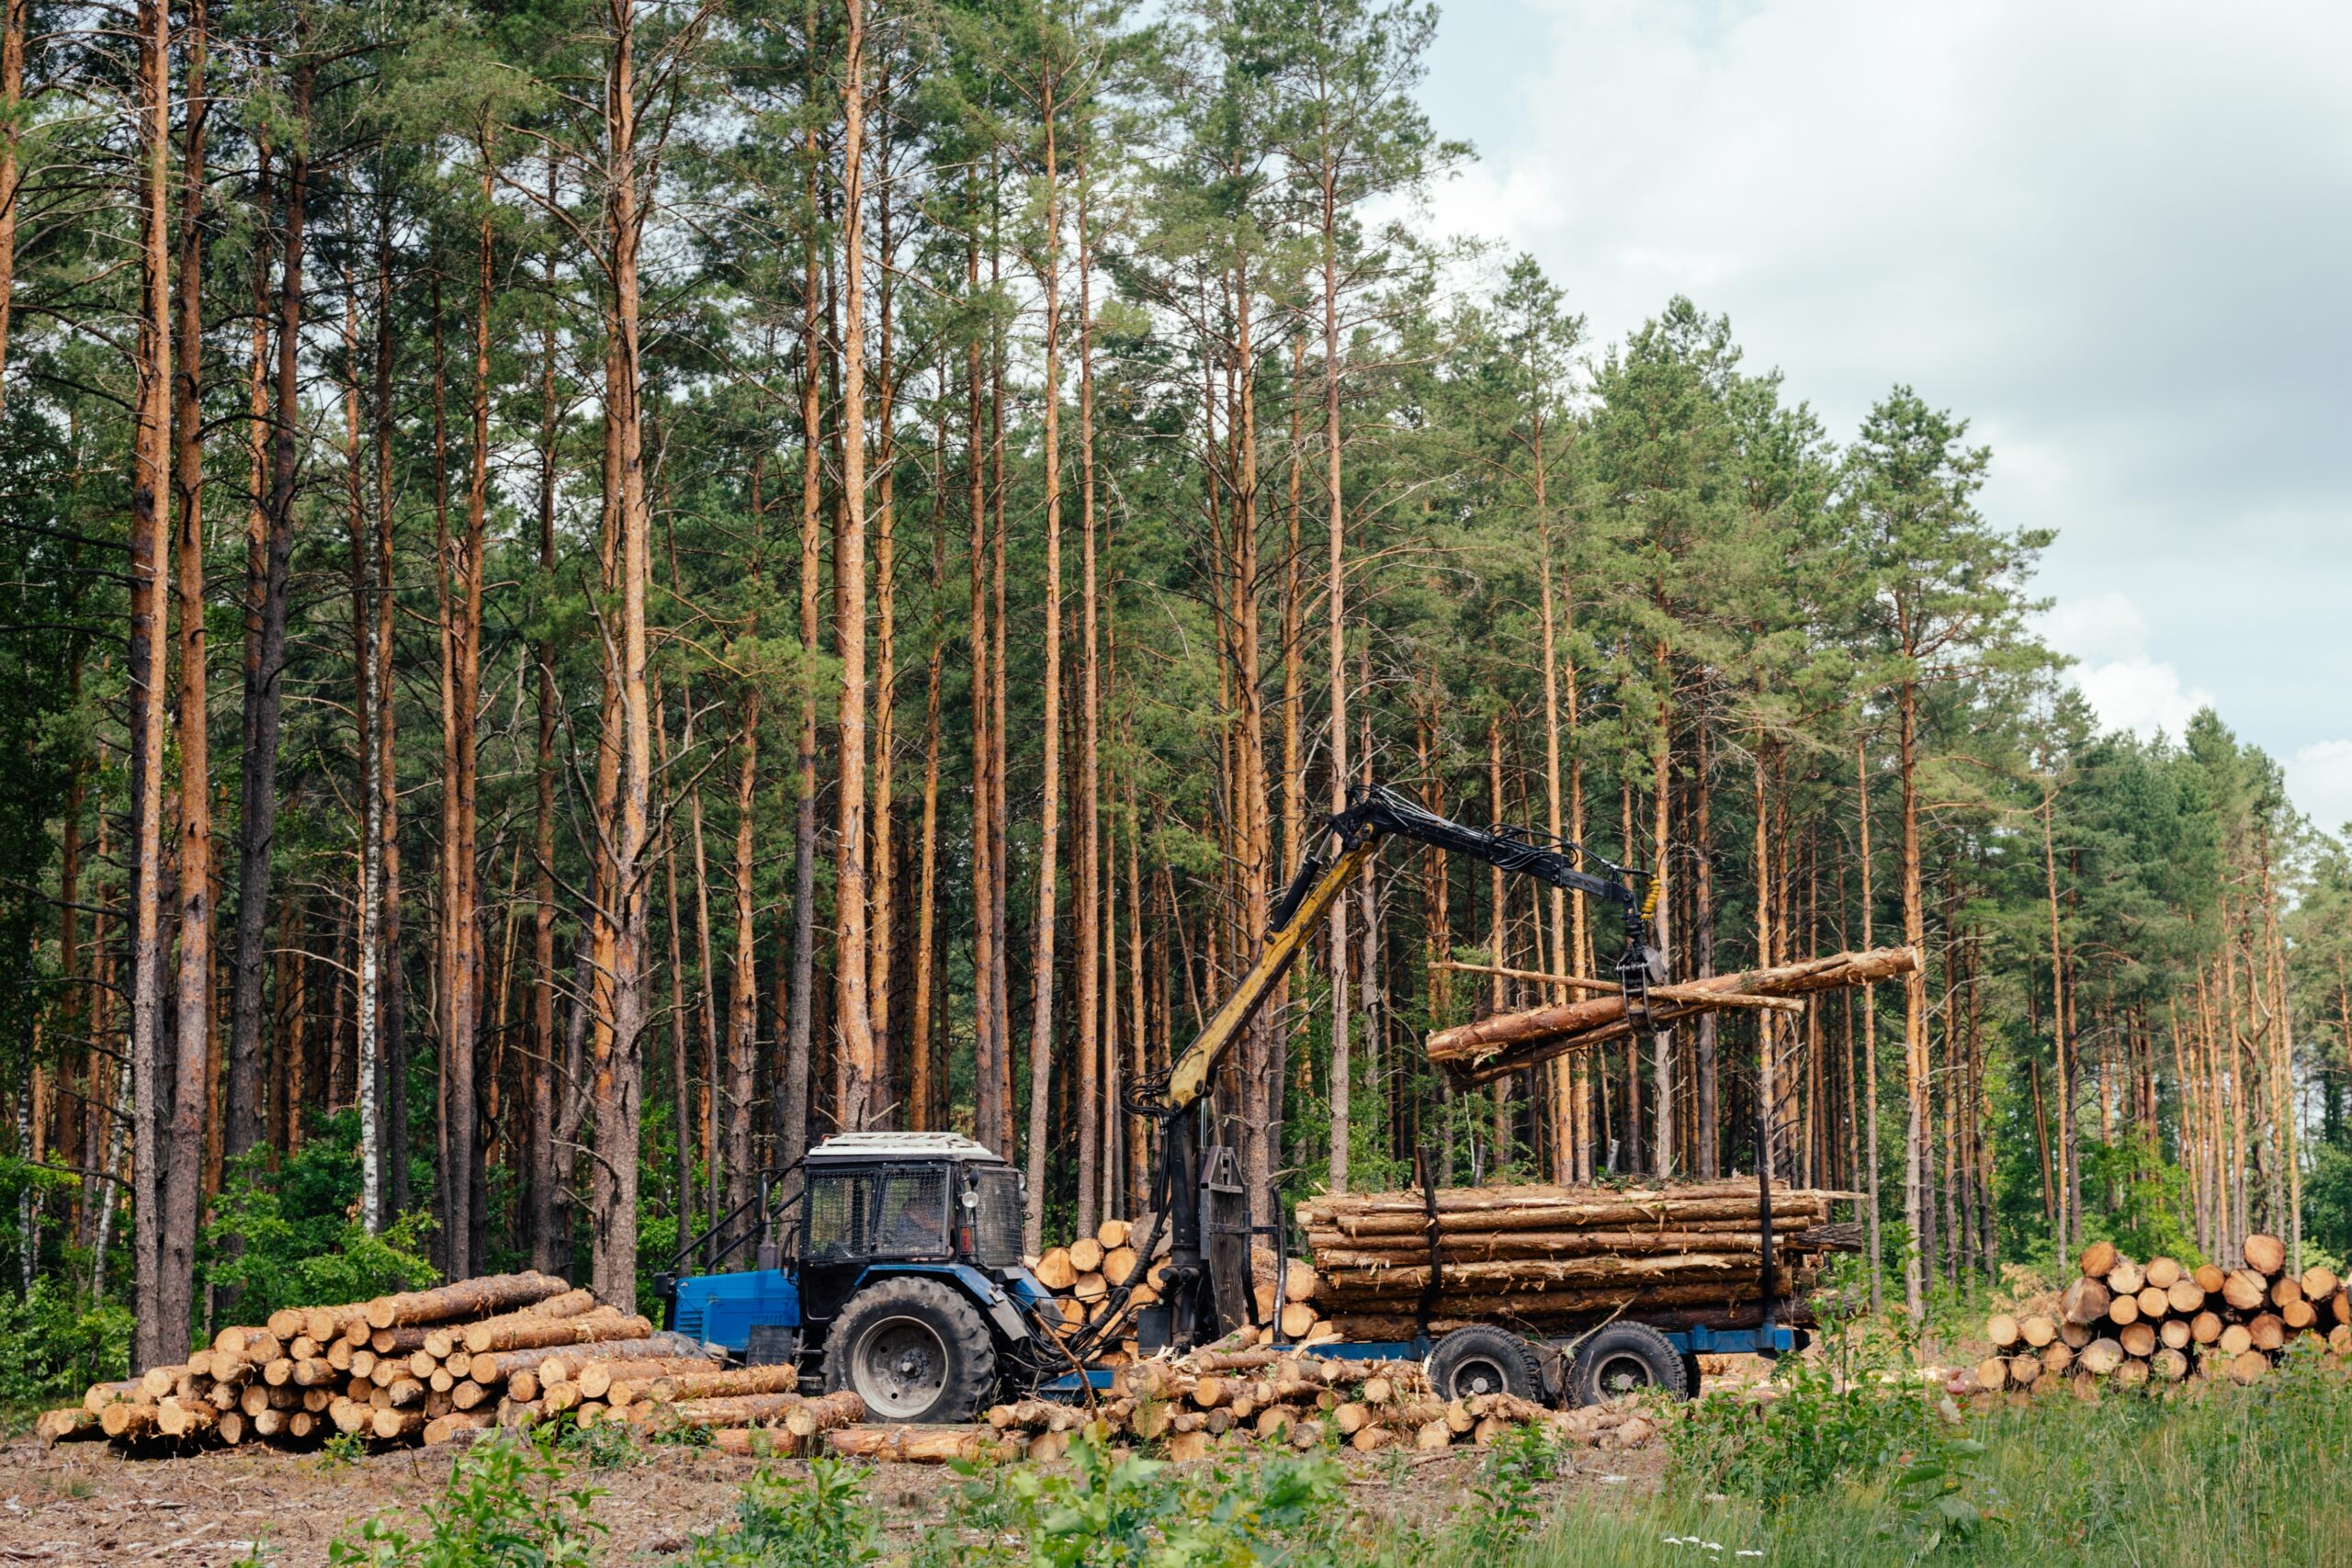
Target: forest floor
{"x":80,"y":1502}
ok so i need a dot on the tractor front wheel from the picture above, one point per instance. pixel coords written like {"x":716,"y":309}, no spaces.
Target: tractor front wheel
{"x":915,"y":1350}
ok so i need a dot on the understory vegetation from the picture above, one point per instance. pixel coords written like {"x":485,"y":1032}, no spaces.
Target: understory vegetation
{"x":1841,"y":1469}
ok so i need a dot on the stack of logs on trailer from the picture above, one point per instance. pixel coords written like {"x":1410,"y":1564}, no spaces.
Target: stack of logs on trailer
{"x":2162,"y":1322}
{"x":1554,"y":1258}
{"x":424,"y":1366}
{"x":1084,"y":1276}
{"x":1223,"y":1398}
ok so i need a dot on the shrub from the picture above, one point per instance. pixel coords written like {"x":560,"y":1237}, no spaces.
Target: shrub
{"x":54,"y":1344}
{"x":505,"y":1506}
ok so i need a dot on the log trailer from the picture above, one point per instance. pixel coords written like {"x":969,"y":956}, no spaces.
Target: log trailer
{"x":890,"y":1262}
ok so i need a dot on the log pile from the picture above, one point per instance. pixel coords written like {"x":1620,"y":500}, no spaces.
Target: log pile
{"x":1084,"y":1276}
{"x":1217,"y":1399}
{"x":1494,"y":1047}
{"x":2132,"y":1324}
{"x":417,"y":1367}
{"x":1552,"y":1259}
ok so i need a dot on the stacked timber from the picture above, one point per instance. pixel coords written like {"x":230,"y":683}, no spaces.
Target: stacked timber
{"x":1497,"y":1046}
{"x":416,"y":1367}
{"x":1085,"y":1276}
{"x":1223,"y":1398}
{"x":2132,"y":1324}
{"x":1551,"y":1258}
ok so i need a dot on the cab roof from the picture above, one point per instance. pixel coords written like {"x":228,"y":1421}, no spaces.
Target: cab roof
{"x":903,"y":1145}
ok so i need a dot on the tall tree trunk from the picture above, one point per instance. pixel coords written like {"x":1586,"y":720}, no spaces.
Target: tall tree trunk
{"x":1915,"y":1010}
{"x":1661,"y":889}
{"x":366,"y":693}
{"x":619,"y":1068}
{"x":858,"y":1096}
{"x":1870,"y":1030}
{"x":990,"y":1110}
{"x":792,"y":1090}
{"x":193,"y":1006}
{"x":1336,"y":606}
{"x":550,"y":1235}
{"x":1091,"y":1122}
{"x":2069,"y":1224}
{"x":164,"y":1285}
{"x":922,"y":1111}
{"x":265,"y":664}
{"x":1040,"y":1017}
{"x":394,"y":1021}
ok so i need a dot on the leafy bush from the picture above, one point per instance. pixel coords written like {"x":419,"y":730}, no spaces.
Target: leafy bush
{"x":818,"y":1521}
{"x":505,"y":1506}
{"x":1108,"y":1512}
{"x":291,"y":1237}
{"x":54,"y":1344}
{"x":1833,"y":1420}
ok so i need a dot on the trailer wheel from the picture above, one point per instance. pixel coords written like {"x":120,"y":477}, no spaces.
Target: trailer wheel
{"x":1621,"y":1359}
{"x":1482,"y":1359}
{"x":913,"y":1349}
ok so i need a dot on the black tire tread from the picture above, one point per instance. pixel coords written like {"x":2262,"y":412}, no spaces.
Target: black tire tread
{"x":970,"y":1351}
{"x":1639,"y":1339}
{"x":1522,"y":1372}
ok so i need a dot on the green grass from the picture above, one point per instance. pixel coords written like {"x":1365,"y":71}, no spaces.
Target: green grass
{"x":2219,"y":1478}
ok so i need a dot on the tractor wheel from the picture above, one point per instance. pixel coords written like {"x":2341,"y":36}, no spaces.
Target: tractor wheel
{"x":915,"y":1350}
{"x":1622,"y":1358}
{"x":1483,"y":1359}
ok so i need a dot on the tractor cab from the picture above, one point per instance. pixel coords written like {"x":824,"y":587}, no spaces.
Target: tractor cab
{"x":887,"y":1262}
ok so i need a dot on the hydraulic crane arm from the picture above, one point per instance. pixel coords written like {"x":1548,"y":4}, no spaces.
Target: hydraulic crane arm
{"x":1351,"y":836}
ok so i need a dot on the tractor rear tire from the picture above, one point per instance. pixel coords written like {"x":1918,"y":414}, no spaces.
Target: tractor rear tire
{"x":1621,"y":1359}
{"x":915,"y":1350}
{"x":1485,"y":1359}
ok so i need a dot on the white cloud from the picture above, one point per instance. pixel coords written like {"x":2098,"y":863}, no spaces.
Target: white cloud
{"x":2319,"y":781}
{"x":2141,"y":695}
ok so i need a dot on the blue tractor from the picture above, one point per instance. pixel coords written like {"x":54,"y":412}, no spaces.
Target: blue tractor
{"x":885,"y":1262}
{"x":890,"y":1262}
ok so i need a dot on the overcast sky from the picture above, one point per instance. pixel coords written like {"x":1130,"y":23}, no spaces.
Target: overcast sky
{"x":2117,"y":237}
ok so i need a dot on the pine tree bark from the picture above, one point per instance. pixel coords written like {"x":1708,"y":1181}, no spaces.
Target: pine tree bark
{"x":1040,"y":1017}
{"x":15,"y":18}
{"x":792,"y":1090}
{"x":394,"y":1021}
{"x":265,"y":664}
{"x":617,"y":1069}
{"x":1915,"y":1003}
{"x":1093,"y":1123}
{"x":857,"y":1088}
{"x":193,"y":1007}
{"x":549,"y":1237}
{"x":1328,"y":199}
{"x":1870,"y":1030}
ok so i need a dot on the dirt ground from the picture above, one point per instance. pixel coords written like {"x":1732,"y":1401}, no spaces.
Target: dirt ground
{"x":80,"y":1502}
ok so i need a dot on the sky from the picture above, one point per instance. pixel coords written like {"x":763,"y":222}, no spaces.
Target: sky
{"x":2117,"y":238}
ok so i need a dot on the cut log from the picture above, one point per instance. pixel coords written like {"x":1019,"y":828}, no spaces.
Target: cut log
{"x":2236,"y":1340}
{"x":128,"y":1419}
{"x":2175,"y":1333}
{"x":2162,"y":1272}
{"x":670,"y":1387}
{"x":468,"y":1297}
{"x":526,"y":1333}
{"x":2098,"y":1259}
{"x":2268,"y":1331}
{"x":1298,"y":1320}
{"x":2002,"y":1330}
{"x":393,"y":1425}
{"x":2037,"y":1330}
{"x":2208,"y":1277}
{"x":2244,"y":1290}
{"x":2124,"y":1309}
{"x":2298,"y":1315}
{"x":2100,"y":1356}
{"x":2085,"y":1300}
{"x":2263,"y":1254}
{"x":2183,"y":1298}
{"x":738,"y":1410}
{"x":2025,"y":1370}
{"x":2205,"y":1328}
{"x":2126,"y":1278}
{"x":1086,"y":1254}
{"x":1119,"y":1264}
{"x":2133,"y":1374}
{"x":2138,"y":1339}
{"x":1508,"y":1041}
{"x":1114,"y":1234}
{"x":1054,"y":1270}
{"x":442,"y":1428}
{"x":829,"y":1413}
{"x":2247,"y":1366}
{"x":2057,"y":1359}
{"x":2154,"y":1303}
{"x":2169,"y":1365}
{"x":2284,"y":1288}
{"x":2075,"y":1336}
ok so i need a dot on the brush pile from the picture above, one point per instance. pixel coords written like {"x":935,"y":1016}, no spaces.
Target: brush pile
{"x":418,"y":1366}
{"x":1223,"y":1398}
{"x":1551,"y":1258}
{"x":1084,"y":1276}
{"x":2131,"y":1323}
